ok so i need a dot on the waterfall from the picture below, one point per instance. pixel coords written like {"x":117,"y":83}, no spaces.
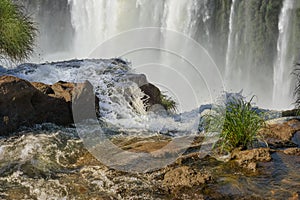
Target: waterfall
{"x":95,"y":21}
{"x":93,"y":28}
{"x":241,"y":36}
{"x":230,"y":43}
{"x":182,"y":15}
{"x":281,"y":76}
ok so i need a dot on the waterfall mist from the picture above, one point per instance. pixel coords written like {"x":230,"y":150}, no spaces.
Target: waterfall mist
{"x":253,"y":42}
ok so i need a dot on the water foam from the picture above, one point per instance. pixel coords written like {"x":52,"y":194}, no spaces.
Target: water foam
{"x":121,"y":102}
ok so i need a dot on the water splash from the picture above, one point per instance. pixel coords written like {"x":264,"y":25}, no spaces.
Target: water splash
{"x":121,"y":101}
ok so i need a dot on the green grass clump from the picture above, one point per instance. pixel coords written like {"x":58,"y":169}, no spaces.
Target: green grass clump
{"x":17,"y":32}
{"x":168,"y":103}
{"x":237,"y":123}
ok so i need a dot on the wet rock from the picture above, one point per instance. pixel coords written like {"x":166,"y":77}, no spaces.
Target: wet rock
{"x":290,"y":113}
{"x":158,"y":109}
{"x":280,"y":134}
{"x":44,"y":88}
{"x":296,"y":196}
{"x":249,"y":158}
{"x":25,"y":104}
{"x":296,"y":138}
{"x":139,"y":79}
{"x":63,"y":90}
{"x":153,"y":94}
{"x":292,"y":151}
{"x":184,"y":176}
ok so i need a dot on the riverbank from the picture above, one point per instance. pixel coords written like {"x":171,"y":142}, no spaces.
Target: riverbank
{"x":52,"y":162}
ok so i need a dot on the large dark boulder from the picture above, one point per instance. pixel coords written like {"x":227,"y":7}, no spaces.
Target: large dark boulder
{"x":25,"y":104}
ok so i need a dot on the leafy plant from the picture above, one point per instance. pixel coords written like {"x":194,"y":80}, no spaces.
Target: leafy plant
{"x":17,"y":32}
{"x":168,"y":103}
{"x":238,"y":124}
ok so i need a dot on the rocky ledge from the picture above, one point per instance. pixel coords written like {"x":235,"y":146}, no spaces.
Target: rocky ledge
{"x":24,"y":103}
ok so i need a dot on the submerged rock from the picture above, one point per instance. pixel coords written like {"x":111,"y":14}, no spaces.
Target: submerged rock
{"x":184,"y":176}
{"x":249,"y":158}
{"x":25,"y":104}
{"x":292,"y":151}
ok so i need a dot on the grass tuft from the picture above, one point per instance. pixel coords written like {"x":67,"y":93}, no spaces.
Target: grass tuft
{"x":168,"y":103}
{"x":17,"y":32}
{"x":237,"y":123}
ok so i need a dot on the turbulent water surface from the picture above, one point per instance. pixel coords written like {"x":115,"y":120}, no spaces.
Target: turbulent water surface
{"x":49,"y":162}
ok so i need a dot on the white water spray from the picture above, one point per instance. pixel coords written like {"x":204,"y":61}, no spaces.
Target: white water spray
{"x":228,"y":68}
{"x":95,"y":21}
{"x":282,"y":82}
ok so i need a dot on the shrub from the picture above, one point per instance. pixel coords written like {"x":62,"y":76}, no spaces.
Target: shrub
{"x":168,"y":103}
{"x":237,"y":123}
{"x":17,"y":32}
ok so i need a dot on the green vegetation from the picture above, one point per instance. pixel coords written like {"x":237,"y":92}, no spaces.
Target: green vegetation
{"x":238,"y":124}
{"x":168,"y":103}
{"x":17,"y":32}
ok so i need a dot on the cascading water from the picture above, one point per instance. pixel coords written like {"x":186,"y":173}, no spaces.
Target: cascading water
{"x":98,"y":20}
{"x":230,"y":46}
{"x":241,"y":36}
{"x":121,"y":100}
{"x":281,"y":77}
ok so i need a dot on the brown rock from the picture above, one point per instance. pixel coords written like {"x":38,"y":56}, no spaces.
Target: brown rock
{"x":296,"y":196}
{"x":281,"y":133}
{"x":24,"y":104}
{"x":63,"y":90}
{"x":184,"y":177}
{"x":249,"y":158}
{"x":292,"y":151}
{"x":142,"y":144}
{"x":44,"y":88}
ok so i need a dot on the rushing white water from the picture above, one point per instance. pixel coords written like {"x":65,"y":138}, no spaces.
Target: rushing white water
{"x":282,"y":82}
{"x":98,"y":20}
{"x":121,"y":100}
{"x":181,"y":16}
